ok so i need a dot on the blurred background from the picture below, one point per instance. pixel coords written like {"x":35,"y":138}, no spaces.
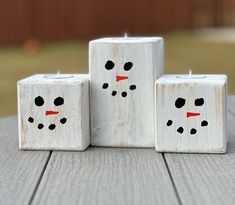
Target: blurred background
{"x":47,"y":36}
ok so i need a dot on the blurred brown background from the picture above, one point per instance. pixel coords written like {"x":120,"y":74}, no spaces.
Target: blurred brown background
{"x":47,"y":36}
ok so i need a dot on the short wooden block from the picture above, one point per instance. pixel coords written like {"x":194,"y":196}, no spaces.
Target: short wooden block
{"x":191,"y":113}
{"x":123,"y":73}
{"x":53,"y":112}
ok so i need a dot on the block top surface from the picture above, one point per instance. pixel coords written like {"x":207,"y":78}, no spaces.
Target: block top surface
{"x":127,"y":40}
{"x":194,"y":78}
{"x":56,"y":78}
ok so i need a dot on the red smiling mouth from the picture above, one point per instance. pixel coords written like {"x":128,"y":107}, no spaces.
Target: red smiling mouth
{"x":192,"y":114}
{"x":49,"y":112}
{"x":119,"y":77}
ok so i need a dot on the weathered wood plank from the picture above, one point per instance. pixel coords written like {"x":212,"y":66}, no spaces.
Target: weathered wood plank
{"x":53,"y":112}
{"x":123,"y":72}
{"x":206,"y":179}
{"x":106,"y":176}
{"x":190,"y":113}
{"x":20,"y":171}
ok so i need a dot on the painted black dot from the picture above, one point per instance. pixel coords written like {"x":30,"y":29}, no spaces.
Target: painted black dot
{"x":105,"y":86}
{"x":169,"y":122}
{"x":63,"y":120}
{"x":180,"y":130}
{"x":199,"y":102}
{"x":51,"y":126}
{"x":124,"y":94}
{"x":204,"y":123}
{"x":128,"y":66}
{"x":59,"y":101}
{"x":114,"y":93}
{"x":109,"y":65}
{"x":132,"y":87}
{"x":39,"y":101}
{"x":31,"y":120}
{"x":193,"y":131}
{"x":180,"y":102}
{"x":40,"y":126}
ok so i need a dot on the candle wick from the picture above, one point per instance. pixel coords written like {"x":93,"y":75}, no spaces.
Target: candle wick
{"x":125,"y":35}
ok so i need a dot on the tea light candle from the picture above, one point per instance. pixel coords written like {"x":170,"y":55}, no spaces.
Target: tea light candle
{"x":191,"y":113}
{"x":123,"y":72}
{"x":53,"y":111}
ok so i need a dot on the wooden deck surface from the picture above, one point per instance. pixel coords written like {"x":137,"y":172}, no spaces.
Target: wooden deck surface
{"x":114,"y":175}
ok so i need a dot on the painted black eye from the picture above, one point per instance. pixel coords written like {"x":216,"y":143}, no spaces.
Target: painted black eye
{"x":39,"y":101}
{"x":128,"y":66}
{"x":59,"y":101}
{"x":109,"y":65}
{"x":180,"y":102}
{"x":199,"y":102}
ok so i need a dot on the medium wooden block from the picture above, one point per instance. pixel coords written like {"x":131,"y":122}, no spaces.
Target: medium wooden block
{"x":53,"y":112}
{"x":123,"y":72}
{"x":191,"y":113}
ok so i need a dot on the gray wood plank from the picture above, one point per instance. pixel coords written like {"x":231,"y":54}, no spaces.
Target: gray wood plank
{"x":20,"y":171}
{"x":206,"y":178}
{"x":106,"y":176}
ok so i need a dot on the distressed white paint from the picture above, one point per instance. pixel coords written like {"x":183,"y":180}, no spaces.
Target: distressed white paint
{"x":117,"y":121}
{"x":75,"y":133}
{"x":209,"y":139}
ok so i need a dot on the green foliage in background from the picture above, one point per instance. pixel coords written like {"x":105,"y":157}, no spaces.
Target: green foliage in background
{"x":183,"y":51}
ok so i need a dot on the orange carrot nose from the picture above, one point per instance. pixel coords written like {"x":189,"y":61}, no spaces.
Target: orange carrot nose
{"x":192,"y":114}
{"x":119,"y":77}
{"x":49,"y":112}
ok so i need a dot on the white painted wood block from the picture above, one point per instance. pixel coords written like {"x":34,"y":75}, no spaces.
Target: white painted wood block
{"x":53,"y":112}
{"x":191,"y":113}
{"x":123,"y":72}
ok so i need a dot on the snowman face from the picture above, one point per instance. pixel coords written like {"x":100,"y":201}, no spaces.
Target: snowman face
{"x":127,"y":67}
{"x":39,"y":102}
{"x":180,"y":102}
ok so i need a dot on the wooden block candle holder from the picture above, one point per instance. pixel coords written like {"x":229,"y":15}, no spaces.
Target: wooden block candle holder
{"x":53,"y":112}
{"x":123,"y":72}
{"x":191,"y":113}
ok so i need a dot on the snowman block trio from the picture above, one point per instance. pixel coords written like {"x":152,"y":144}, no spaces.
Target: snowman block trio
{"x":123,"y":72}
{"x":53,"y":112}
{"x":191,"y":113}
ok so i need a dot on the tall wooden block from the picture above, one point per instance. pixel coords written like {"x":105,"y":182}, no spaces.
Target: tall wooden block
{"x":53,"y":112}
{"x":191,"y":113}
{"x":123,"y":72}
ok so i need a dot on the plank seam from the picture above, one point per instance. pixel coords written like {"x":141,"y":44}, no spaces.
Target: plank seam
{"x":171,"y":178}
{"x":40,"y":178}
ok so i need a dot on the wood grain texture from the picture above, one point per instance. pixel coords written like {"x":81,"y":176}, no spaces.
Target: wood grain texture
{"x":178,"y":99}
{"x":19,"y":171}
{"x":71,"y":129}
{"x":106,"y":176}
{"x":206,"y":179}
{"x":124,"y":120}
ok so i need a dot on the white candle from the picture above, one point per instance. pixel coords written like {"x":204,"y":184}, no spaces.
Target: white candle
{"x":191,"y":113}
{"x":53,"y":112}
{"x":123,"y":71}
